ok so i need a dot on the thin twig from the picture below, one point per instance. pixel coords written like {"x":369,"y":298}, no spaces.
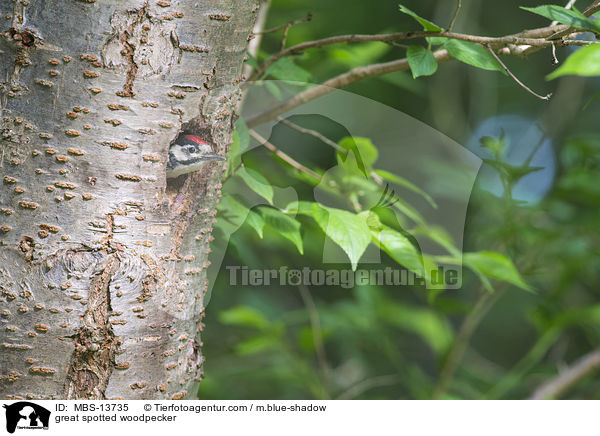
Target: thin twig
{"x":317,"y":333}
{"x":286,"y":28}
{"x":568,"y":377}
{"x":283,"y":156}
{"x":312,"y":133}
{"x":286,"y":25}
{"x":554,"y":58}
{"x":455,"y":16}
{"x":525,"y":87}
{"x":539,"y":144}
{"x":485,"y":301}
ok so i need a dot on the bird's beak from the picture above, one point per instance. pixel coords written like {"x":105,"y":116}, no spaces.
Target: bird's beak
{"x":212,"y":156}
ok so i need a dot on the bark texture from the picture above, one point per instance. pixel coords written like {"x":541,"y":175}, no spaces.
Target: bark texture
{"x":102,"y":263}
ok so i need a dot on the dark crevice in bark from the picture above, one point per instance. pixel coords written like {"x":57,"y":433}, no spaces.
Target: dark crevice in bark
{"x":129,"y":52}
{"x":185,"y":206}
{"x":95,"y":343}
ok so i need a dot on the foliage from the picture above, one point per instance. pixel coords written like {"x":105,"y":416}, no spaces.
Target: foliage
{"x":375,"y":341}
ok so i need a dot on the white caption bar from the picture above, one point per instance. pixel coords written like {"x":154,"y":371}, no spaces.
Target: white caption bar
{"x":299,"y":417}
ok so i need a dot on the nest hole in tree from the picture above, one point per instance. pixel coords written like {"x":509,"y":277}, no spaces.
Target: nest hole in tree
{"x":193,"y":127}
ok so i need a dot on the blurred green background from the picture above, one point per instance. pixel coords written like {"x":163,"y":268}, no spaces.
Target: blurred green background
{"x":377,"y":342}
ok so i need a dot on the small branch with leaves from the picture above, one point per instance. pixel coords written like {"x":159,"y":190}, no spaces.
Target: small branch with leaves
{"x":520,"y":44}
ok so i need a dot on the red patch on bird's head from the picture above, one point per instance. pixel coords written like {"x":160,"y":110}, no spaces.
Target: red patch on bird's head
{"x":195,"y":139}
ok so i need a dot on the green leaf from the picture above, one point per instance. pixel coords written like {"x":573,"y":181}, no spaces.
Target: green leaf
{"x":427,"y":25}
{"x":361,"y":155}
{"x":569,"y":17}
{"x":473,"y":54}
{"x":257,"y":344}
{"x":496,"y":266}
{"x":244,"y":137}
{"x":400,"y":248}
{"x":436,"y":40}
{"x":244,"y":316}
{"x":346,"y":229}
{"x":584,"y":62}
{"x":431,"y":327}
{"x":300,"y":208}
{"x":306,"y":339}
{"x":440,"y":236}
{"x":233,"y":155}
{"x":368,"y":151}
{"x":257,"y":222}
{"x":422,"y":62}
{"x":495,"y":145}
{"x":363,"y":54}
{"x":239,"y":144}
{"x":286,"y":69}
{"x":287,"y":226}
{"x":232,"y":213}
{"x":512,"y":172}
{"x":372,"y":220}
{"x":256,"y":182}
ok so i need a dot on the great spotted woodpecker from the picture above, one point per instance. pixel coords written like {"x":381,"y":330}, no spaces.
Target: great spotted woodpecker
{"x":188,"y":154}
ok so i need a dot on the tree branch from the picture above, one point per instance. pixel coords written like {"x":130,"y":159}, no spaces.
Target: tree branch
{"x":283,"y":156}
{"x":348,"y":78}
{"x":565,"y":379}
{"x":525,"y":87}
{"x":529,"y":37}
{"x":521,"y":44}
{"x":590,"y":10}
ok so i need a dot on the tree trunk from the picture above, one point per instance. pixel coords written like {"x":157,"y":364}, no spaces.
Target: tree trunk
{"x":102,"y":262}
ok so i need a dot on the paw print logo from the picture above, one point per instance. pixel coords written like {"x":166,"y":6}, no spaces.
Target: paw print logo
{"x":294,"y":277}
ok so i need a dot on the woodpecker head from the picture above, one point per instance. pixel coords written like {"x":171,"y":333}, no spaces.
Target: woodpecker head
{"x":188,"y":154}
